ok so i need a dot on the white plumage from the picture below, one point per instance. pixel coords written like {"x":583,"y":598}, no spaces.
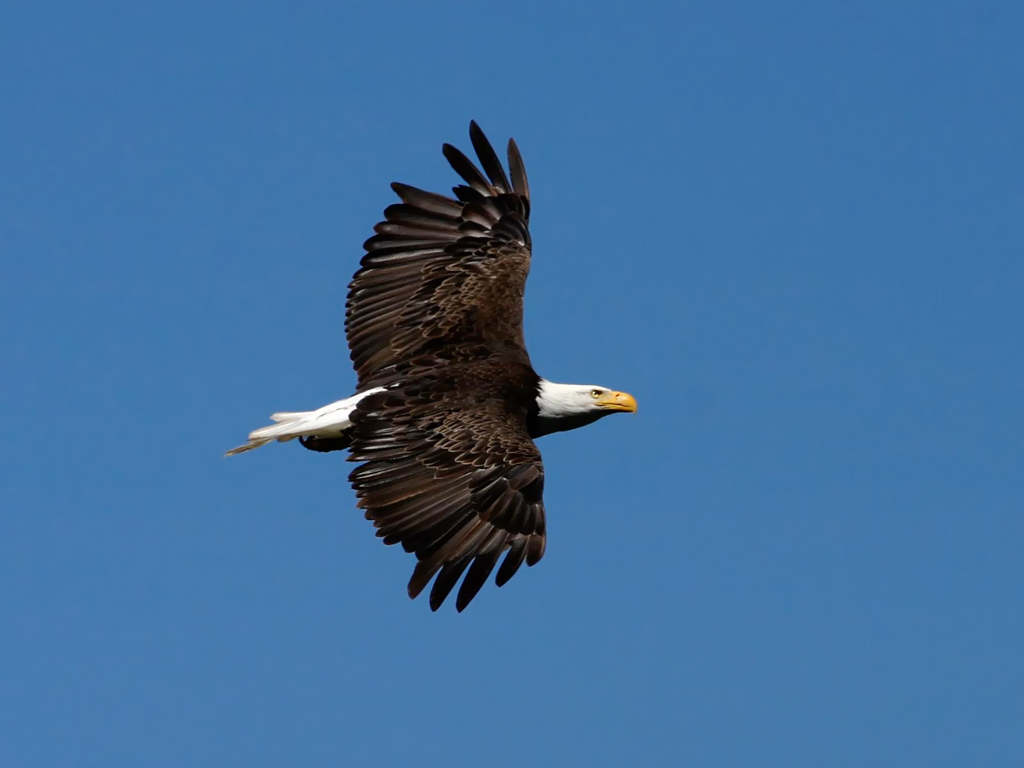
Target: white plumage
{"x":329,"y":420}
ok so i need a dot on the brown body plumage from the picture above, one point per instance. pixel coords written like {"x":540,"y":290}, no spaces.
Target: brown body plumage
{"x":451,"y":472}
{"x":447,"y":403}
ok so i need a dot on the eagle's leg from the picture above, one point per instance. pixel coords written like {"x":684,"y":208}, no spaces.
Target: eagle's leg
{"x":326,"y":444}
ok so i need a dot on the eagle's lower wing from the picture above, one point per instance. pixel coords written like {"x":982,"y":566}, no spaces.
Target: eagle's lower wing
{"x":443,"y":271}
{"x":457,"y":487}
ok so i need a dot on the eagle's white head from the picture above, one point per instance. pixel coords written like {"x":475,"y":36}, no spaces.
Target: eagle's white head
{"x":568,"y":406}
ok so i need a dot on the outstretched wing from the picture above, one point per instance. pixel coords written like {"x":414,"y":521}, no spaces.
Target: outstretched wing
{"x":457,"y":486}
{"x":443,"y":271}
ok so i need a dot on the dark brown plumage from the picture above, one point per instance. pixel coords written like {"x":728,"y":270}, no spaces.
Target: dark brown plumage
{"x":435,"y":313}
{"x":448,"y":406}
{"x":454,"y":478}
{"x":442,"y":273}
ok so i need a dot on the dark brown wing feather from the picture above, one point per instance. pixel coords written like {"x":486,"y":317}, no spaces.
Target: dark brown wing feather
{"x":451,"y":473}
{"x":444,"y":271}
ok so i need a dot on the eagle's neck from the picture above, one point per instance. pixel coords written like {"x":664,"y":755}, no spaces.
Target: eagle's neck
{"x":559,"y":408}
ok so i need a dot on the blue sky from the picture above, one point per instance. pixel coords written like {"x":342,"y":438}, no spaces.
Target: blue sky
{"x":791,"y":229}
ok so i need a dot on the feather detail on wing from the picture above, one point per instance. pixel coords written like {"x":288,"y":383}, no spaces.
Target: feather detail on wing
{"x":455,"y":480}
{"x":443,"y":271}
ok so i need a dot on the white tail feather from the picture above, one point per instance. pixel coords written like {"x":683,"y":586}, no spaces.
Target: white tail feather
{"x":287,"y":415}
{"x":331,"y":420}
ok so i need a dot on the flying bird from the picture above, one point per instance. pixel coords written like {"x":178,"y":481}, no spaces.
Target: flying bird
{"x":447,"y":405}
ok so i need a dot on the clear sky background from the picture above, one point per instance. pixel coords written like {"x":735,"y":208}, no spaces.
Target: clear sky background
{"x":792,"y":230}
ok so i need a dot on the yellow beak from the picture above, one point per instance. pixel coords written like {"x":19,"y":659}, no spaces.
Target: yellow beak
{"x":618,"y":401}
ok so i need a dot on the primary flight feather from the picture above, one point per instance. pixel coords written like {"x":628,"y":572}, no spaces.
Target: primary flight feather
{"x":447,"y":405}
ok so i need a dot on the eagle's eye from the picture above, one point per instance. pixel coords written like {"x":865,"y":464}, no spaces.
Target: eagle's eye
{"x":595,"y":393}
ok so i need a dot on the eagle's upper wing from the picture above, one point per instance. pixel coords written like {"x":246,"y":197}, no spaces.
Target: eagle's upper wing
{"x":443,"y":271}
{"x":455,"y":483}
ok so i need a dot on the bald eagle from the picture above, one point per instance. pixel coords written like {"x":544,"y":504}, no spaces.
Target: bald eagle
{"x":447,"y":404}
